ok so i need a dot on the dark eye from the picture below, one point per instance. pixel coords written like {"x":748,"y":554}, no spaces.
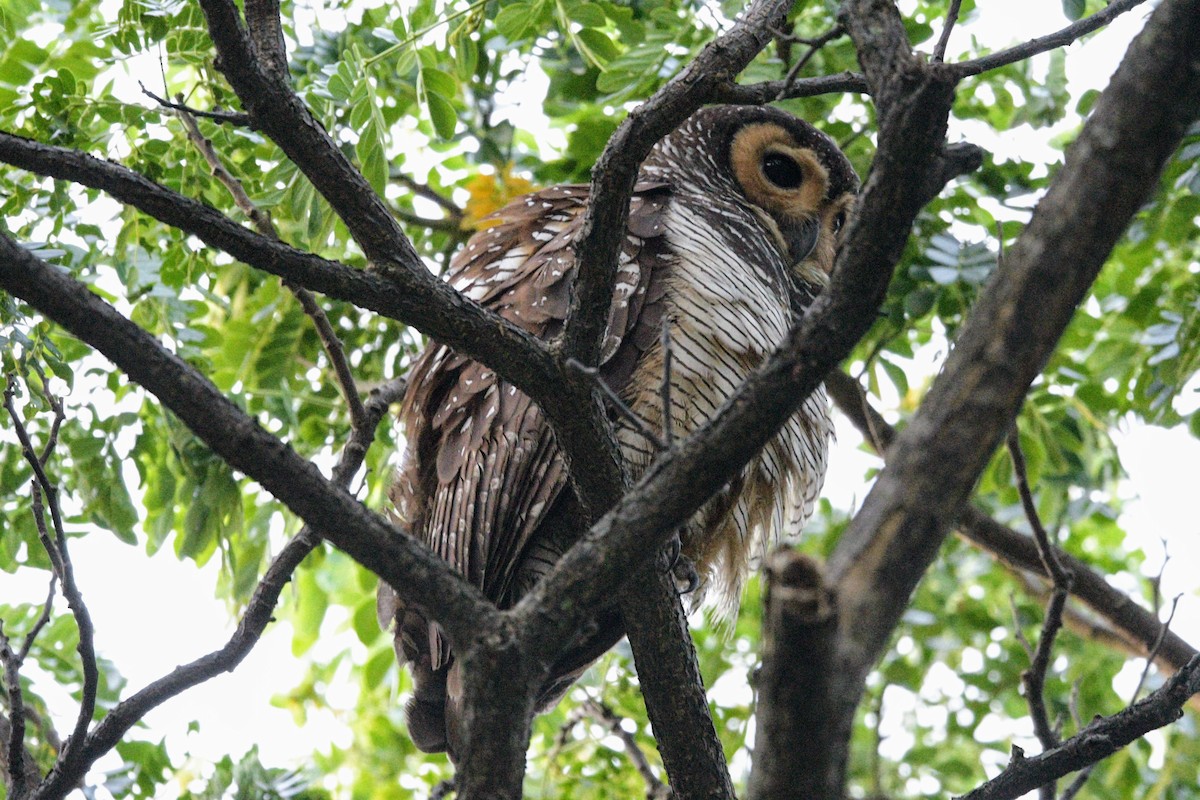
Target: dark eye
{"x":839,"y":221}
{"x":782,"y":171}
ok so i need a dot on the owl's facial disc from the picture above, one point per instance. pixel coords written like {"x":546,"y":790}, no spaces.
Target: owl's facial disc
{"x":787,"y":185}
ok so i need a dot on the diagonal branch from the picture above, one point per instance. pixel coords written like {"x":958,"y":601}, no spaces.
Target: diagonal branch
{"x":932,"y":465}
{"x":1137,"y":627}
{"x":598,"y":241}
{"x":376,"y":544}
{"x":1099,"y":740}
{"x":1042,"y":44}
{"x":428,"y":303}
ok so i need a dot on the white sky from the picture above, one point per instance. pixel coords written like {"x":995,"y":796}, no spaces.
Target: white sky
{"x":130,"y":595}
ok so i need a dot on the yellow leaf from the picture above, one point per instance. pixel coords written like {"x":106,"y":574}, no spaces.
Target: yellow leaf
{"x":490,"y":192}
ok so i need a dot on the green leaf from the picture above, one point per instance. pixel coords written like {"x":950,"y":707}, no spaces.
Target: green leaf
{"x":515,"y":21}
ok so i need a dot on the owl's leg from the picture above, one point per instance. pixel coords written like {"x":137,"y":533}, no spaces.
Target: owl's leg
{"x":672,"y":560}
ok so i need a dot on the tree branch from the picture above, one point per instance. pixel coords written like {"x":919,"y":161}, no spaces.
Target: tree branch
{"x":1042,"y":44}
{"x":1097,"y":741}
{"x":1034,"y":678}
{"x":598,"y":240}
{"x":799,"y":626}
{"x":754,"y":94}
{"x":939,"y":49}
{"x":60,"y":557}
{"x":254,"y":620}
{"x":1137,"y":627}
{"x":427,"y":303}
{"x":933,"y":463}
{"x":376,"y":544}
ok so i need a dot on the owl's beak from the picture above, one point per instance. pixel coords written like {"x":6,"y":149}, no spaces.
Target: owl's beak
{"x":801,"y":239}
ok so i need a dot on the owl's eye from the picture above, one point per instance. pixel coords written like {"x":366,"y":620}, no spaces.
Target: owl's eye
{"x":782,"y":171}
{"x":839,"y":221}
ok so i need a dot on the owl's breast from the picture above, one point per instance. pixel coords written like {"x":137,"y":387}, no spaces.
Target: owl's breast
{"x":727,"y":310}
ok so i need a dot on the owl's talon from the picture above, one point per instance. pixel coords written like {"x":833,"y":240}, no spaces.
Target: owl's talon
{"x":670,"y":554}
{"x":687,"y":579}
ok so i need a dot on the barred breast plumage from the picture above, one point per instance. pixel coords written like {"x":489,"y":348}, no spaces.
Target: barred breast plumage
{"x":731,"y":234}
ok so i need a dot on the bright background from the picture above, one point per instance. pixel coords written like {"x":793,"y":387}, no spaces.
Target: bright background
{"x":129,"y":594}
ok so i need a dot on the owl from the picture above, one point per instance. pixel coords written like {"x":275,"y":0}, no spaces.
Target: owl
{"x":732,"y":230}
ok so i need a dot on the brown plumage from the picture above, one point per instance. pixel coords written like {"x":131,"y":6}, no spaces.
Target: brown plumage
{"x":731,"y":233}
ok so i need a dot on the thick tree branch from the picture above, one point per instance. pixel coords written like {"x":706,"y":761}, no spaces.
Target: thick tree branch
{"x":799,"y":625}
{"x":389,"y":552}
{"x":250,"y":62}
{"x":602,"y":231}
{"x":1097,"y":741}
{"x":433,"y":307}
{"x":1136,"y":627}
{"x":679,"y":482}
{"x":673,"y":688}
{"x":934,"y":462}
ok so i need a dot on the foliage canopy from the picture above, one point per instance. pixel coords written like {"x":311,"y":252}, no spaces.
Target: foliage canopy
{"x":449,"y":108}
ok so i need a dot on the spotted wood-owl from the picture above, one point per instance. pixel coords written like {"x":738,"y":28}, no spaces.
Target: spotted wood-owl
{"x":731,"y":234}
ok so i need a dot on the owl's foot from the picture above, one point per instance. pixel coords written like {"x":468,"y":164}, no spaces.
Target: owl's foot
{"x":672,"y":560}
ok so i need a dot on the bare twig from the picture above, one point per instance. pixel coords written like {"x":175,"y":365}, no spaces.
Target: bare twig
{"x":447,"y":225}
{"x":599,"y":711}
{"x":1154,"y":650}
{"x":1103,"y":737}
{"x":454,"y":213}
{"x":664,"y":387}
{"x":620,"y":406}
{"x":42,"y":619}
{"x":813,"y":46}
{"x":261,"y":220}
{"x":1034,"y":678}
{"x":235,"y":118}
{"x":1060,"y":38}
{"x":939,"y":50}
{"x":60,"y":555}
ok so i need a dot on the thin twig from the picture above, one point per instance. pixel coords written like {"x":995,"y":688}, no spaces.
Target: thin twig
{"x":1154,"y":650}
{"x":618,"y":404}
{"x":422,"y":190}
{"x":44,"y":618}
{"x":308,"y":301}
{"x":1060,"y":38}
{"x":1054,"y":568}
{"x":71,"y":753}
{"x":655,"y":788}
{"x":664,"y":388}
{"x":236,"y":118}
{"x":813,"y":46}
{"x":447,"y":225}
{"x":939,"y":50}
{"x":1034,"y":678}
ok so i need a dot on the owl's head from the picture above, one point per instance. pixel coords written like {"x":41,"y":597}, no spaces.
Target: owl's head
{"x":790,"y":175}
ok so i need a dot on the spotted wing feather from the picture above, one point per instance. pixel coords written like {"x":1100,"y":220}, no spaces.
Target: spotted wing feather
{"x":481,"y":472}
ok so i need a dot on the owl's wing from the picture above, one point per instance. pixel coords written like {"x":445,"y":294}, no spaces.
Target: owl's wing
{"x":482,"y":472}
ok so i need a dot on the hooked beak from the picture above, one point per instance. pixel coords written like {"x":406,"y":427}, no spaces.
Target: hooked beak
{"x":802,"y":239}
